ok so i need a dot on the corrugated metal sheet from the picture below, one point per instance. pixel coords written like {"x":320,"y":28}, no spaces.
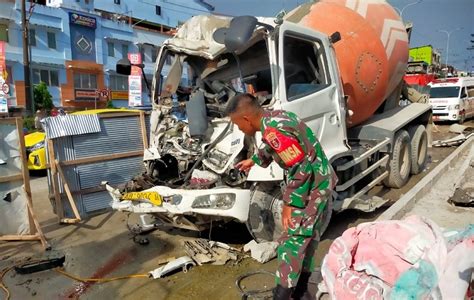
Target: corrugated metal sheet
{"x":117,"y":135}
{"x":96,"y":201}
{"x":148,"y":125}
{"x":69,"y":125}
{"x":112,"y":171}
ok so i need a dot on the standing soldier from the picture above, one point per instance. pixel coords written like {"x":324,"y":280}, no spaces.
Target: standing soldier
{"x":310,"y":180}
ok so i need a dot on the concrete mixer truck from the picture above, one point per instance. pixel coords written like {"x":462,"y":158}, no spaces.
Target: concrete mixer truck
{"x":337,"y":64}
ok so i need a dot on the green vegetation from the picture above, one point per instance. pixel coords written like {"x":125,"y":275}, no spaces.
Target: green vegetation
{"x":42,"y":97}
{"x":29,"y":123}
{"x":110,"y":104}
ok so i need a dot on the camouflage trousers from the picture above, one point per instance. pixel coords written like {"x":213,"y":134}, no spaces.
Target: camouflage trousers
{"x":297,"y":249}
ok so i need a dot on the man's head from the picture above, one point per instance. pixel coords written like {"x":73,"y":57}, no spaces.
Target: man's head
{"x":245,"y":111}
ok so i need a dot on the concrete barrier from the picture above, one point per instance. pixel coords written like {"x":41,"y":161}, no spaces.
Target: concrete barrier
{"x":408,"y":201}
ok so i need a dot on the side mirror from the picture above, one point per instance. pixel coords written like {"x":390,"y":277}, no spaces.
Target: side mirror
{"x":124,"y":67}
{"x":238,"y":34}
{"x":463,"y":95}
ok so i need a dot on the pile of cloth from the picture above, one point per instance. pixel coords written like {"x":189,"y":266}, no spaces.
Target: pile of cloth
{"x":399,"y":259}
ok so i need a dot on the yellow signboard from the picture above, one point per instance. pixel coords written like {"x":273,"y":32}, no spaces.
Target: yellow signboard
{"x":119,"y":95}
{"x":423,"y":53}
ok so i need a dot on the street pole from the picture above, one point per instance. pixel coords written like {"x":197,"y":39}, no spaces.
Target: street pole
{"x":447,"y":45}
{"x":409,"y":4}
{"x":26,"y":61}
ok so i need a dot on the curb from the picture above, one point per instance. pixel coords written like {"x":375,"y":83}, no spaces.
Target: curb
{"x":408,"y":201}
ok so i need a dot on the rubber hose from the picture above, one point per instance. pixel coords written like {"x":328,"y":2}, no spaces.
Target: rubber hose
{"x":246,"y":294}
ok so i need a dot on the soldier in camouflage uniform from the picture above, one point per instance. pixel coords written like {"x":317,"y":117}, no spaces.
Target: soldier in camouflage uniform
{"x":310,"y":179}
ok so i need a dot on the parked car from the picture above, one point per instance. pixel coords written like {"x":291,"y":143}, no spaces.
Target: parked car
{"x":35,"y":142}
{"x":35,"y":150}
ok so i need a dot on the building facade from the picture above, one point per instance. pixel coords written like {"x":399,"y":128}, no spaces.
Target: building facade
{"x":75,"y":45}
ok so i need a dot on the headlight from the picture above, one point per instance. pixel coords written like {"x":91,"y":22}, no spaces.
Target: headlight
{"x":36,"y":146}
{"x":451,"y":107}
{"x":215,"y":201}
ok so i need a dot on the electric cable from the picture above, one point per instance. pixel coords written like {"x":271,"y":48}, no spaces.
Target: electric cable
{"x":2,"y":285}
{"x":100,"y":280}
{"x":252,"y":293}
{"x":71,"y":276}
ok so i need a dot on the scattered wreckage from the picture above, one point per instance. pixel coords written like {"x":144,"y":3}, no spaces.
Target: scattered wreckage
{"x":350,"y":100}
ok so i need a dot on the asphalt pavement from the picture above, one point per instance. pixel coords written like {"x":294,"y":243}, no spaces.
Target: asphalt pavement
{"x":103,"y":247}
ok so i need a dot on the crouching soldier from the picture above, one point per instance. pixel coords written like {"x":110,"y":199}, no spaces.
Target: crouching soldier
{"x":309,"y":182}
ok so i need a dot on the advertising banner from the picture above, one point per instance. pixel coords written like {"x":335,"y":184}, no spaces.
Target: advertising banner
{"x":135,"y":59}
{"x":3,"y":104}
{"x":3,"y":67}
{"x":82,"y":36}
{"x":82,"y":20}
{"x":135,"y":81}
{"x":423,"y":53}
{"x":134,"y":90}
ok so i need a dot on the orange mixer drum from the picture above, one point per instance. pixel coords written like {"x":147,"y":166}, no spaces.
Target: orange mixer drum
{"x":372,"y":53}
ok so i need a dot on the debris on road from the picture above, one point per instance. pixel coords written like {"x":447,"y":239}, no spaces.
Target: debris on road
{"x":216,"y":253}
{"x":261,"y":252}
{"x":464,"y":133}
{"x":41,"y":265}
{"x":399,"y":259}
{"x":185,"y":263}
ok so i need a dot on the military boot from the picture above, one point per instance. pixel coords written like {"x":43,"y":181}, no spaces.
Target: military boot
{"x":282,"y":293}
{"x":301,"y":291}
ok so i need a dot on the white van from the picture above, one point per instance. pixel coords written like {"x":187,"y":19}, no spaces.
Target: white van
{"x":452,"y":99}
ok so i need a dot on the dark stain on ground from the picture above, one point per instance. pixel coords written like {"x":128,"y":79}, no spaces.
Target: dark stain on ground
{"x":113,"y":263}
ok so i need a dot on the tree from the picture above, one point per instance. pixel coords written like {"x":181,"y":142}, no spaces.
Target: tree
{"x":110,"y":104}
{"x":42,"y":97}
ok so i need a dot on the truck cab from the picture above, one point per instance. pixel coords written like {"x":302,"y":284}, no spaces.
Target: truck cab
{"x":286,"y":65}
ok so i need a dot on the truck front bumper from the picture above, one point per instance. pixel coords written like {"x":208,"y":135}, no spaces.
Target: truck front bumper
{"x":221,"y":202}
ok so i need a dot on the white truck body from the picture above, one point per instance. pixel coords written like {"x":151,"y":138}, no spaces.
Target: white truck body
{"x":357,"y":154}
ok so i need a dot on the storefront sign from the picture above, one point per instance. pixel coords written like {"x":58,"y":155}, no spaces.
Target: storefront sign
{"x":85,"y":94}
{"x":134,"y":90}
{"x":82,"y":37}
{"x":119,"y":95}
{"x":82,"y":20}
{"x":135,"y":59}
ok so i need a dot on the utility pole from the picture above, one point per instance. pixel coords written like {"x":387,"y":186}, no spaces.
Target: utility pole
{"x":26,"y":61}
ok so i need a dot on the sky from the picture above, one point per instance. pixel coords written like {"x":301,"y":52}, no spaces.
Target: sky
{"x":428,"y":17}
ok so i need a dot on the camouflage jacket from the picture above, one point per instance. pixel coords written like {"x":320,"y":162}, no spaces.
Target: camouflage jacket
{"x":291,"y":143}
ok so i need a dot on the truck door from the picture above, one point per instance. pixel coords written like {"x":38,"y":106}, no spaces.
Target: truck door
{"x":309,"y":84}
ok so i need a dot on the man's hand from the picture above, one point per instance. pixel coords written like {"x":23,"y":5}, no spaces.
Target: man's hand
{"x":286,"y":217}
{"x":245,"y":165}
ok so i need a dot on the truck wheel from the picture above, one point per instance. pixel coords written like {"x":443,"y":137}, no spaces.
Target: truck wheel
{"x":399,"y":165}
{"x":264,"y":223}
{"x":419,"y":148}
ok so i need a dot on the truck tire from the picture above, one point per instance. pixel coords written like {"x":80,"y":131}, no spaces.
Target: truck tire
{"x":264,"y":222}
{"x":399,"y":164}
{"x":419,"y":148}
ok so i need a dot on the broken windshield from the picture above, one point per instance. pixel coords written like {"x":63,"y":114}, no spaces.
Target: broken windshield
{"x":219,"y":78}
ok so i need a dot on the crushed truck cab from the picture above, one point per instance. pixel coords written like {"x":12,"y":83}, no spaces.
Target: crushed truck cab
{"x":342,"y":76}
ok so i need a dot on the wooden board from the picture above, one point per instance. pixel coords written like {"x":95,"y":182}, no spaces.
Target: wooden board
{"x":35,"y":229}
